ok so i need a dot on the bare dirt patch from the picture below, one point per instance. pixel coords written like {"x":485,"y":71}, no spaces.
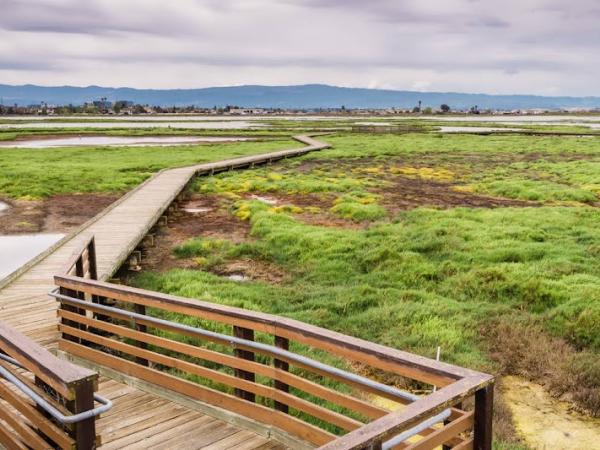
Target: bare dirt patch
{"x":401,"y":192}
{"x":530,"y":353}
{"x":409,"y":193}
{"x":56,"y":214}
{"x":252,"y":270}
{"x":213,"y":221}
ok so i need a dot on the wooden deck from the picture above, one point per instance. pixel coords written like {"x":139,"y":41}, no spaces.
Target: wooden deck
{"x":139,"y":420}
{"x":118,"y":230}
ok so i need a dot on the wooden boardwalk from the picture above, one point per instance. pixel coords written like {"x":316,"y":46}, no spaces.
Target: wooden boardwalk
{"x":139,"y":420}
{"x":118,"y":230}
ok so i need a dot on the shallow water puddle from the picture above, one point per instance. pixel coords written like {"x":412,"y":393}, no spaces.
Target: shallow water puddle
{"x":475,"y":129}
{"x":267,"y":200}
{"x":19,"y":249}
{"x":374,"y":124}
{"x":238,"y":277}
{"x":547,"y":423}
{"x":77,"y":141}
{"x":197,"y":210}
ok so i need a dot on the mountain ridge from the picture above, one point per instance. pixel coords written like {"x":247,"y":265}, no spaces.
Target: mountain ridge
{"x":306,"y":96}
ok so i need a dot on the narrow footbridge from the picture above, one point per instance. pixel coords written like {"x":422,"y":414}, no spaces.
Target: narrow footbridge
{"x":85,"y":363}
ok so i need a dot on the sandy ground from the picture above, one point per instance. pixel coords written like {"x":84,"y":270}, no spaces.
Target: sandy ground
{"x":547,"y":423}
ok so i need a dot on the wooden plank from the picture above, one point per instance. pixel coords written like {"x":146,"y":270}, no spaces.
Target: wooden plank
{"x":169,"y":438}
{"x":124,"y":442}
{"x":35,"y":417}
{"x":173,"y":328}
{"x":260,"y":413}
{"x":304,"y":385}
{"x":195,"y":436}
{"x":399,"y":421}
{"x":444,"y":434}
{"x":229,"y":442}
{"x":34,"y":384}
{"x":10,"y":439}
{"x":385,"y":358}
{"x":60,"y":375}
{"x":466,"y":445}
{"x":247,"y":386}
{"x":153,"y":415}
{"x":22,"y":428}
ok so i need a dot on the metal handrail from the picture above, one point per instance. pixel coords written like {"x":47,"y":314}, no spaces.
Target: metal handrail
{"x":348,"y":376}
{"x":339,"y":373}
{"x":42,"y":403}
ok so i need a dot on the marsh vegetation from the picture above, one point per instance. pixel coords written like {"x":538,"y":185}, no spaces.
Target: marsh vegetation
{"x":486,"y":246}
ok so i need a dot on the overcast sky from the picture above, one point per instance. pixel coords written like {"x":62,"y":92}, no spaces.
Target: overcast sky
{"x":548,"y":47}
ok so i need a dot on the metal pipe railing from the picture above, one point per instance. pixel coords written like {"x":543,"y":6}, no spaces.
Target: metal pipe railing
{"x":308,"y":362}
{"x":348,"y":376}
{"x":398,"y":439}
{"x":45,"y":405}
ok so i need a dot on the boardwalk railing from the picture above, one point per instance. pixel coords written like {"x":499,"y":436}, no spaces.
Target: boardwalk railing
{"x":278,"y":371}
{"x":45,"y":402}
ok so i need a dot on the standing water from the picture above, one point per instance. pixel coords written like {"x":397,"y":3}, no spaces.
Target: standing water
{"x":17,"y":250}
{"x":118,"y":141}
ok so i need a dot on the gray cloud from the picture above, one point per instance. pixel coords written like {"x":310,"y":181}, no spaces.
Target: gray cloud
{"x":533,"y":46}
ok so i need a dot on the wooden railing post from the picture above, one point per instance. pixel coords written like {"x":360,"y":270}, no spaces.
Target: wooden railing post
{"x":244,"y":333}
{"x":484,"y":399}
{"x":141,"y":309}
{"x":59,"y":383}
{"x":93,"y":268}
{"x":73,"y":294}
{"x":76,"y":265}
{"x":284,"y":344}
{"x":84,"y":432}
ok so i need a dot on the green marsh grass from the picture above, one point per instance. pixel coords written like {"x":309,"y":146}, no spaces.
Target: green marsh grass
{"x":39,"y":173}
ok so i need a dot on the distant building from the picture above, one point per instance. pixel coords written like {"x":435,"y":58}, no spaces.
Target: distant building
{"x":246,"y":111}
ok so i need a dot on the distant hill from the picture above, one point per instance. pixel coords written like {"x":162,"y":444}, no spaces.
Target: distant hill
{"x":302,"y":96}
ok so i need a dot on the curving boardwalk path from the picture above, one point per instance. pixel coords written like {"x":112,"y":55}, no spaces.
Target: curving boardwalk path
{"x":118,"y":230}
{"x":24,"y":303}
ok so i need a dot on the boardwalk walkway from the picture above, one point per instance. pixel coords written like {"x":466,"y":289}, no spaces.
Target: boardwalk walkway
{"x":26,"y":306}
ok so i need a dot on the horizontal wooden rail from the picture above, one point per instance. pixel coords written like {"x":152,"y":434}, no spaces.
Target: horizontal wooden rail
{"x":67,"y":388}
{"x":267,"y":385}
{"x":379,"y":356}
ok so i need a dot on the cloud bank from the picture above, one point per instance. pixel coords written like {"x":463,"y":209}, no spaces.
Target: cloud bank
{"x":545,"y":47}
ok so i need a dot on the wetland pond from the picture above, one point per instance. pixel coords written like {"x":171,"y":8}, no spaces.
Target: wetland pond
{"x":133,"y":141}
{"x":16,"y":250}
{"x":222,"y":125}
